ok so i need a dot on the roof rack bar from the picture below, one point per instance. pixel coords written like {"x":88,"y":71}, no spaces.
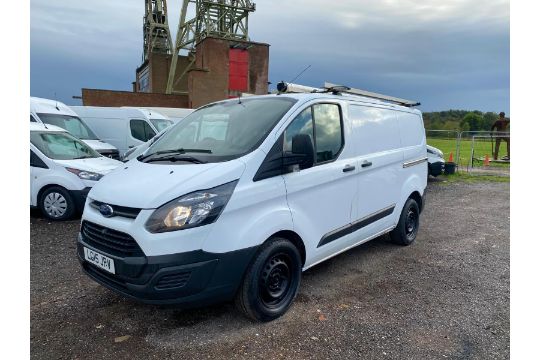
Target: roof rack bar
{"x":408,"y":103}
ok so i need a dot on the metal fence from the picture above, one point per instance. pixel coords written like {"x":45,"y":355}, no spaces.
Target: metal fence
{"x":489,"y":153}
{"x":473,"y":151}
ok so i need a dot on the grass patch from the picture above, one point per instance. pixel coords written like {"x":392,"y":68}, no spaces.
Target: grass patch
{"x":468,"y":178}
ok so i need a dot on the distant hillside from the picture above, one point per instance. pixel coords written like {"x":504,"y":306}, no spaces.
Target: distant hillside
{"x":463,"y":120}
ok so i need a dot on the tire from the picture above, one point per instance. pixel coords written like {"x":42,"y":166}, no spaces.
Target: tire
{"x":57,"y":204}
{"x":271,"y":281}
{"x":409,"y":221}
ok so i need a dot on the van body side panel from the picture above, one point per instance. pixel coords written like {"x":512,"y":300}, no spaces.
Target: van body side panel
{"x":376,"y":135}
{"x":415,"y":167}
{"x":258,"y":210}
{"x":413,"y":136}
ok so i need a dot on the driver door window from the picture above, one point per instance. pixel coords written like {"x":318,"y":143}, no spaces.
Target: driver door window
{"x":322,"y":122}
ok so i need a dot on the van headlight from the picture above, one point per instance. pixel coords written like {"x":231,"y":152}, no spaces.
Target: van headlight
{"x":194,"y":209}
{"x":85,"y":175}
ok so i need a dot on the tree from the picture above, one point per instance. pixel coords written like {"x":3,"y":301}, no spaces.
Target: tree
{"x":474,"y":121}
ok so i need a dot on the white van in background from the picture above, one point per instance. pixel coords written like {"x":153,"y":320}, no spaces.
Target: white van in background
{"x":124,"y":127}
{"x":56,"y":113}
{"x":62,"y":171}
{"x":240,"y":197}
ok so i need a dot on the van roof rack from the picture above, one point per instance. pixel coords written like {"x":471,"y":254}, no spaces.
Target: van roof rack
{"x":284,"y":87}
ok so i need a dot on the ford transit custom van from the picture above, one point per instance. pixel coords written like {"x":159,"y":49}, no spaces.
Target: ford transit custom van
{"x":242,"y":195}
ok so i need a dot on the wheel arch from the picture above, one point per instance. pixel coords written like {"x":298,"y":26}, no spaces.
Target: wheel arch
{"x":415,"y":195}
{"x":295,"y":239}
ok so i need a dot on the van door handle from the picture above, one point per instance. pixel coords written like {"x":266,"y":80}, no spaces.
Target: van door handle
{"x":366,"y":164}
{"x":348,"y":168}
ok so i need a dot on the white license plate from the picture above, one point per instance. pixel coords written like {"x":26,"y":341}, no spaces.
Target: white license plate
{"x":101,"y":261}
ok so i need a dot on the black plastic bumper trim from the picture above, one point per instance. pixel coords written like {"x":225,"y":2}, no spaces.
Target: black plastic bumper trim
{"x":79,"y":196}
{"x":213,"y":277}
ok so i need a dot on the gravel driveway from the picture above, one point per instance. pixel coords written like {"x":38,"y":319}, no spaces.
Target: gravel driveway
{"x":446,"y":296}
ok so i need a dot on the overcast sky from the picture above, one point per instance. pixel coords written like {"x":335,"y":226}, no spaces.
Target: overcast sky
{"x":448,"y":54}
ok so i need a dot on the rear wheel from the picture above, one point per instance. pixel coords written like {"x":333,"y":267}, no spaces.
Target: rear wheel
{"x":57,"y":204}
{"x":271,"y":281}
{"x":409,"y":222}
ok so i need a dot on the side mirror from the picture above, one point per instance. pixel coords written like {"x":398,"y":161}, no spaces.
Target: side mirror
{"x":302,"y":153}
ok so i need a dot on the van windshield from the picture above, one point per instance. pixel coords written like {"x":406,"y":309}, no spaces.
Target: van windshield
{"x":221,"y":131}
{"x":61,"y":146}
{"x":161,"y":124}
{"x":72,"y":124}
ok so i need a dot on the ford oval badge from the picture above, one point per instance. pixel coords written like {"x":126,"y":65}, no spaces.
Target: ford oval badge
{"x":106,"y":210}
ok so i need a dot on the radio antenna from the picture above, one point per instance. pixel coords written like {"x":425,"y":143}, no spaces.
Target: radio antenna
{"x":301,"y":72}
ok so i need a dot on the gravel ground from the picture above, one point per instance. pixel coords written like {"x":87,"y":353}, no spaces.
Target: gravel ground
{"x":446,"y":296}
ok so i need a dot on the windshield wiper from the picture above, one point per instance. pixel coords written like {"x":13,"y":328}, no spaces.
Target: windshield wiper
{"x":174,"y":158}
{"x":176,"y":151}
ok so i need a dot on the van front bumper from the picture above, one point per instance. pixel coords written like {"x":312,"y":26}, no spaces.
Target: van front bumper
{"x":189,"y":279}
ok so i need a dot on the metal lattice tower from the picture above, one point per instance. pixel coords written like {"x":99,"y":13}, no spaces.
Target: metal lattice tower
{"x":224,"y":19}
{"x":157,"y":36}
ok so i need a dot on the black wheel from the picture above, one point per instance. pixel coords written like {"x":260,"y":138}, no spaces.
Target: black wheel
{"x":407,"y":227}
{"x":56,"y":203}
{"x":271,"y":281}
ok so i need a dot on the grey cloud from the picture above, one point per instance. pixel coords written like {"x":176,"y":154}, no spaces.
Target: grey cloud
{"x":451,"y":54}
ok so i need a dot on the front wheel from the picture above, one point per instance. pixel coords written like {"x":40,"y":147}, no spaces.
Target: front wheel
{"x":407,"y":227}
{"x":271,"y":281}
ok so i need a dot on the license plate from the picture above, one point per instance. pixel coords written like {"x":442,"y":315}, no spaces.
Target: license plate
{"x":101,"y":261}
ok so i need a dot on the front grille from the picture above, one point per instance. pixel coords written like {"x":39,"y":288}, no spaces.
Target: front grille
{"x":113,"y":154}
{"x":123,"y":211}
{"x":110,"y":241}
{"x":171,"y":281}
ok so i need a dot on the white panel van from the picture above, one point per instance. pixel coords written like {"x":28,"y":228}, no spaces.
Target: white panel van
{"x":124,"y":127}
{"x":241,"y":196}
{"x":56,"y":113}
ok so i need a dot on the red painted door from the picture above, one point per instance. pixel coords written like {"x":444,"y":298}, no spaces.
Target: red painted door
{"x":238,"y":70}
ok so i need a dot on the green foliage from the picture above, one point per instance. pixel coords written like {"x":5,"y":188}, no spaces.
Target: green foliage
{"x":461,"y":120}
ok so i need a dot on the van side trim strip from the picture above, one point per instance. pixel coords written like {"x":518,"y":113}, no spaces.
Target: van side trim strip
{"x":414,"y":162}
{"x":356,"y":225}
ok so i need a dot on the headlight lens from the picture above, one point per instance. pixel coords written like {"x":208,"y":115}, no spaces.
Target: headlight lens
{"x":85,"y":175}
{"x":195,"y":209}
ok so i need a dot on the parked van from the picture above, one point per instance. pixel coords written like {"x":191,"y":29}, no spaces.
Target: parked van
{"x":63,"y":169}
{"x":124,"y":127}
{"x":239,"y":198}
{"x":56,"y":113}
